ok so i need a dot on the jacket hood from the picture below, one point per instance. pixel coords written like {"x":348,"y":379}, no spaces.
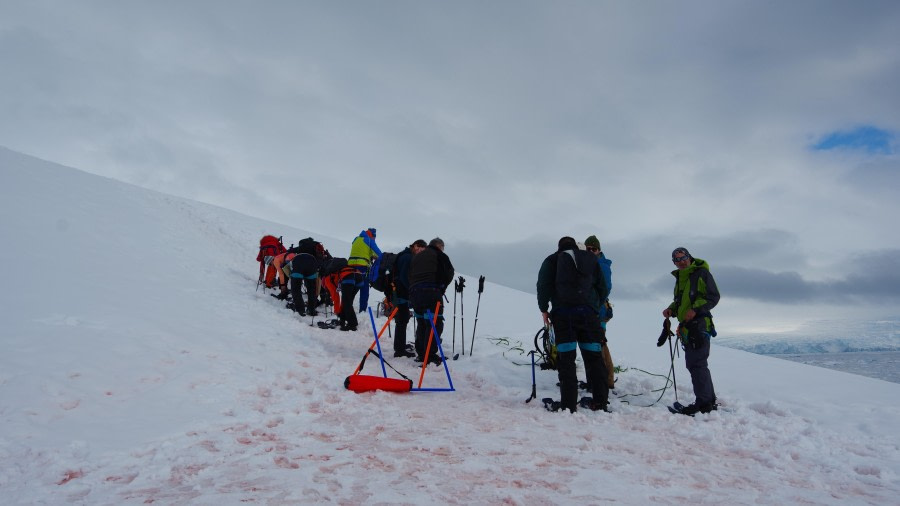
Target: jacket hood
{"x":696,"y":264}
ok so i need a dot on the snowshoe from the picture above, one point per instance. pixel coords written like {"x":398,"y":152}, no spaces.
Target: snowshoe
{"x":330,"y":324}
{"x":551,"y":405}
{"x":587,"y":402}
{"x":691,"y":409}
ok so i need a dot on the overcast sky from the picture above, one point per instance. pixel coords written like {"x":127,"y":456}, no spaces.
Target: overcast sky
{"x":760,"y":135}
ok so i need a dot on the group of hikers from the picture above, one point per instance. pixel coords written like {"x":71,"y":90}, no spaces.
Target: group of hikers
{"x":573,"y":296}
{"x":413,"y":280}
{"x":573,"y":290}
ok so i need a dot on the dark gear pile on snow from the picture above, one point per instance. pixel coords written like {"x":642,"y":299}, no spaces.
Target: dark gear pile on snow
{"x":545,"y":347}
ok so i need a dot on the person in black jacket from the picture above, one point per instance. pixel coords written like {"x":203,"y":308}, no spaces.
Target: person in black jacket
{"x":430,"y":272}
{"x":401,"y":295}
{"x":567,"y":283}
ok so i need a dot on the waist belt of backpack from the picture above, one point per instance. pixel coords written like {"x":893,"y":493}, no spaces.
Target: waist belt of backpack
{"x":422,"y":316}
{"x":568,"y":310}
{"x":427,"y":286}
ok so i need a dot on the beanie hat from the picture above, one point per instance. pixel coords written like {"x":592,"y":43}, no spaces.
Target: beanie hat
{"x":681,"y":251}
{"x":567,"y":243}
{"x":592,"y":241}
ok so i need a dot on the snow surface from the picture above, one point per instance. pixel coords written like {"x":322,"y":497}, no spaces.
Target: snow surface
{"x":140,"y":365}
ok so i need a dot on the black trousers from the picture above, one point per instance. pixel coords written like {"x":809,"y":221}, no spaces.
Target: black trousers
{"x":423,"y":300}
{"x":349,"y":288}
{"x":574,"y":328}
{"x":401,"y":320}
{"x":297,"y":294}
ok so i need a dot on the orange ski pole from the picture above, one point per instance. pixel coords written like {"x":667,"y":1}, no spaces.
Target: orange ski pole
{"x":437,"y":307}
{"x":388,"y":322}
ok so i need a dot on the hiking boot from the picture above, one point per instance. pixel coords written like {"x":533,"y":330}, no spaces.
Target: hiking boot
{"x":403,"y":354}
{"x":435,"y":360}
{"x":599,"y":407}
{"x":348,"y":328}
{"x":419,"y":359}
{"x":709,"y":408}
{"x":693,"y":409}
{"x":312,"y":312}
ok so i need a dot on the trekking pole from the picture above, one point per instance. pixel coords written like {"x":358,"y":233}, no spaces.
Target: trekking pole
{"x":477,"y":307}
{"x":455,"y":291}
{"x":674,"y":383}
{"x":533,"y":380}
{"x":666,"y":335}
{"x":462,"y":314}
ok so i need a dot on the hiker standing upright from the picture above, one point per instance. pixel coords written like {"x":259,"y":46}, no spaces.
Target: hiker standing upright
{"x":603,"y":307}
{"x":364,"y":253}
{"x":696,"y":294}
{"x":565,"y":286}
{"x":430,"y":272}
{"x":401,"y":295}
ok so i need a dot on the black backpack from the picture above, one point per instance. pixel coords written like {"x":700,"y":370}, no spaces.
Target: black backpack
{"x":312,"y":247}
{"x":332,"y":265}
{"x":575,"y":277}
{"x":384,"y":279}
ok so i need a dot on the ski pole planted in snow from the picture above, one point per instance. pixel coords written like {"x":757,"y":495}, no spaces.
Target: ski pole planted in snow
{"x":477,"y":307}
{"x":462,"y":314}
{"x":455,"y":291}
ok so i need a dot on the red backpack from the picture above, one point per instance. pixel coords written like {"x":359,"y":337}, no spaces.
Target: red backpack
{"x":269,"y":246}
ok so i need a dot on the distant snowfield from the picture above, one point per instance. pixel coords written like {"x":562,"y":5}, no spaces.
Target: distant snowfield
{"x":140,"y":366}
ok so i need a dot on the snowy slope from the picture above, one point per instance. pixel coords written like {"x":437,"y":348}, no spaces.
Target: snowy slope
{"x":139,"y":365}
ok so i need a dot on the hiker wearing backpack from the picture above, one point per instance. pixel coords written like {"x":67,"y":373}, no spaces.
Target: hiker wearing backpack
{"x":401,"y":295}
{"x":282,"y":265}
{"x":696,"y":294}
{"x":567,"y":282}
{"x":363,"y":253}
{"x":430,"y":272}
{"x":603,"y":307}
{"x":305,"y":272}
{"x":269,"y":247}
{"x":331,"y":273}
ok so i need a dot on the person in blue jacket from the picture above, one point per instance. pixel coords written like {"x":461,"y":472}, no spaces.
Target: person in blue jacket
{"x":603,"y":307}
{"x":364,"y":257}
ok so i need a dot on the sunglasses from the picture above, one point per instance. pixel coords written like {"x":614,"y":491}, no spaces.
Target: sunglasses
{"x":592,"y":248}
{"x":682,"y":258}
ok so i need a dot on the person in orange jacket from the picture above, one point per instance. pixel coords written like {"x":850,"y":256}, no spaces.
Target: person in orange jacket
{"x":269,"y":247}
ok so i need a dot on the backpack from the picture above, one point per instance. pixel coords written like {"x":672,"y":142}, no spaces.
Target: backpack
{"x":312,"y":247}
{"x":384,"y":279}
{"x":332,"y":265}
{"x":574,"y":278}
{"x":270,"y":246}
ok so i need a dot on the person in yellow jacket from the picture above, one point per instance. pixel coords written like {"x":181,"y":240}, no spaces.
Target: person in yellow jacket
{"x":364,"y":257}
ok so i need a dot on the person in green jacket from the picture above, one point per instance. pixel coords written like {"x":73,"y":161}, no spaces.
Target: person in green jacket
{"x":695,"y":296}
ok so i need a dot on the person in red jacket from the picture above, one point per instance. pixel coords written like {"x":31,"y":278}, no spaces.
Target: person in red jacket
{"x":269,"y":247}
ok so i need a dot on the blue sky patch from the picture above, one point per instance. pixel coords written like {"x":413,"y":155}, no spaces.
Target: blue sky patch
{"x":868,"y":138}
